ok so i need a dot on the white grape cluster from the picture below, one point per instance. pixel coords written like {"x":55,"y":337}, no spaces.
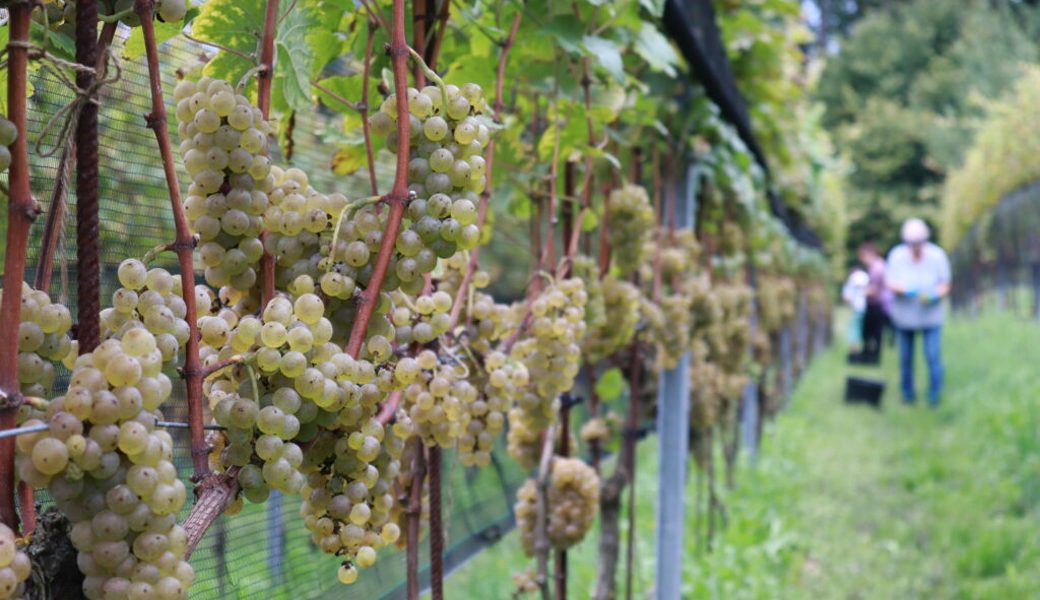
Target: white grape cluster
{"x":551,"y":354}
{"x":43,"y":339}
{"x":621,"y":302}
{"x":348,"y":500}
{"x":223,"y":145}
{"x":631,"y":219}
{"x":572,"y":502}
{"x":296,"y":217}
{"x":504,"y":382}
{"x":679,"y":251}
{"x":8,"y":134}
{"x":111,"y":472}
{"x":421,"y":320}
{"x":446,"y":172}
{"x":436,"y":398}
{"x":15,"y":567}
{"x":587,"y":269}
{"x":61,"y":14}
{"x":151,"y":298}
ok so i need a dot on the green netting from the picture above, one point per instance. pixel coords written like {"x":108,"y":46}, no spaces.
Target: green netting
{"x":264,"y":551}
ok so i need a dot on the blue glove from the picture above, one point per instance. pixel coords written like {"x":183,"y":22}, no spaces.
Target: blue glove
{"x":929,"y":297}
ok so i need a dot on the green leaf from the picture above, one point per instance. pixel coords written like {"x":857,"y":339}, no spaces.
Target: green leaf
{"x":610,"y":385}
{"x":348,"y":159}
{"x":654,"y":7}
{"x":656,"y":50}
{"x":348,"y":88}
{"x":589,"y":221}
{"x":567,"y":30}
{"x":295,"y":62}
{"x":134,"y":46}
{"x":57,"y":42}
{"x":607,"y":54}
{"x":235,"y":24}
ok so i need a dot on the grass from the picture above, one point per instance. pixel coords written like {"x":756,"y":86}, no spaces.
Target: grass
{"x":851,"y":503}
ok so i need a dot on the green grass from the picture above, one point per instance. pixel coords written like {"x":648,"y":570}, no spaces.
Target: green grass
{"x":848,"y":502}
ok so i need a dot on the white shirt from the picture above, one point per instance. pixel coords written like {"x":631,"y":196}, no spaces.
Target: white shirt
{"x":923,"y":277}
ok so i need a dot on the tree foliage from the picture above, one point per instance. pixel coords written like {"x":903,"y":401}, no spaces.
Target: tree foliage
{"x":902,"y":95}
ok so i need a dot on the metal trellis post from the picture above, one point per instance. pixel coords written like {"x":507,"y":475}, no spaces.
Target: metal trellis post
{"x":673,"y":433}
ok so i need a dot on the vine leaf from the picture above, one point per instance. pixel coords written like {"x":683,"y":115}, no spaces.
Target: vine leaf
{"x":347,"y":87}
{"x":304,"y":44}
{"x":607,"y":54}
{"x":610,"y":384}
{"x":134,"y":46}
{"x":235,"y":24}
{"x":656,"y":50}
{"x":351,"y":154}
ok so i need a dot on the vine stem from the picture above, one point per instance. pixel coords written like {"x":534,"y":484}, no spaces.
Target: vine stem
{"x":88,"y":226}
{"x":265,"y":77}
{"x":489,"y":161}
{"x":183,"y":244}
{"x":21,"y":210}
{"x":433,"y":49}
{"x":657,"y":285}
{"x":363,"y":110}
{"x":436,"y":527}
{"x":541,"y":526}
{"x":414,"y":515}
{"x":398,"y":196}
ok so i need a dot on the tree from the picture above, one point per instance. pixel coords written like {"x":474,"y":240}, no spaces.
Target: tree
{"x":902,"y":94}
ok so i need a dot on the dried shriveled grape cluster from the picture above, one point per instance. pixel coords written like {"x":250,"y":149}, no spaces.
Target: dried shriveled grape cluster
{"x":573,"y":501}
{"x":223,"y":144}
{"x":15,"y":567}
{"x":631,"y":219}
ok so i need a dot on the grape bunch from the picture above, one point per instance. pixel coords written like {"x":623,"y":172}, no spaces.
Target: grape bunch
{"x":223,"y":145}
{"x":43,"y":339}
{"x":446,"y":172}
{"x":153,"y":299}
{"x":670,"y":328}
{"x":572,"y":502}
{"x":8,"y":134}
{"x":421,"y":320}
{"x":631,"y":219}
{"x":111,"y":472}
{"x":436,"y":398}
{"x":347,"y":498}
{"x":551,"y":354}
{"x":60,"y":15}
{"x":15,"y":567}
{"x":621,"y":302}
{"x":297,"y":216}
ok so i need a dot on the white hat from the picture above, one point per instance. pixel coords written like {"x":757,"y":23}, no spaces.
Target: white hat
{"x":914,"y":231}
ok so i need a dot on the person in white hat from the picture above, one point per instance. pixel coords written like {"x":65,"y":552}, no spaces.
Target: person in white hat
{"x":918,"y":274}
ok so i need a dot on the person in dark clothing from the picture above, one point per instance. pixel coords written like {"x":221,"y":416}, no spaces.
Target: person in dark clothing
{"x":878,"y":297}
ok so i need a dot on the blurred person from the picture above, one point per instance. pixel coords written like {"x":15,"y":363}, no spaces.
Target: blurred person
{"x":879,"y":299}
{"x":918,"y":274}
{"x":854,"y":292}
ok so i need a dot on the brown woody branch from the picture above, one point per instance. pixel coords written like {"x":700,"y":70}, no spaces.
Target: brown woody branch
{"x":20,"y":205}
{"x":184,"y":241}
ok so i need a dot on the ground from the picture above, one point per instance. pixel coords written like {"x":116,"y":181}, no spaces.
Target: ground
{"x":852,"y":503}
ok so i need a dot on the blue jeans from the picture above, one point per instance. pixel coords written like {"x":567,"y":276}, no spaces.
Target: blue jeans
{"x":932,"y":354}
